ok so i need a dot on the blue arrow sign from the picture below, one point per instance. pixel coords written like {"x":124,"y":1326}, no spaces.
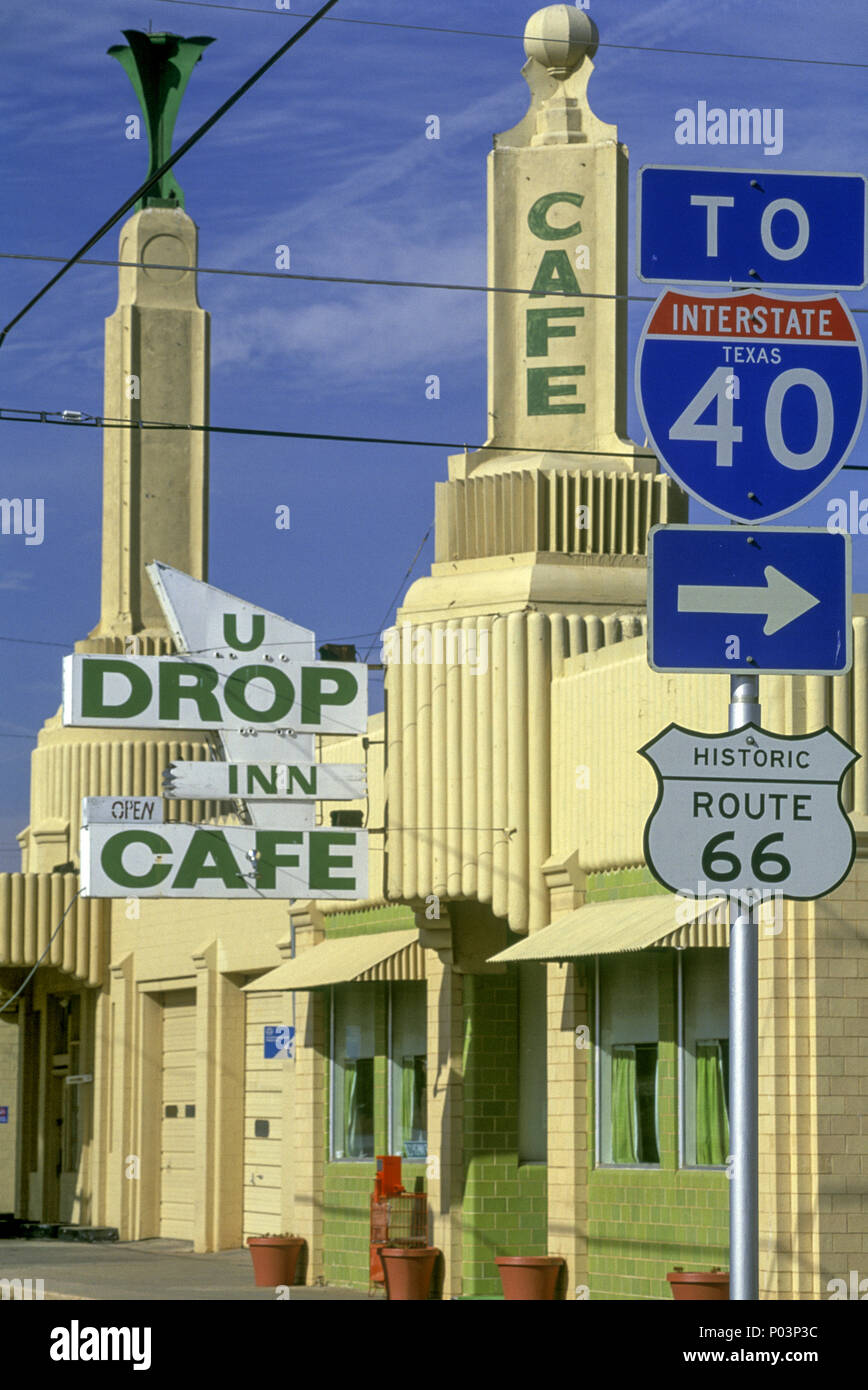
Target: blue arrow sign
{"x":752,"y":401}
{"x":768,"y":600}
{"x":743,"y":226}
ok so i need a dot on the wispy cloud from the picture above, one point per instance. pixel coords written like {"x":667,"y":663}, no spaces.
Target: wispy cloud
{"x":18,"y":580}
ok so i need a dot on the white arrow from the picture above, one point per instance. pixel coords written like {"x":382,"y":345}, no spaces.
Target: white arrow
{"x":781,"y":599}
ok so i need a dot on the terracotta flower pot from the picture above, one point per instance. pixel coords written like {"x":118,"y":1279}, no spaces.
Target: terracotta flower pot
{"x":528,"y":1276}
{"x":274,"y":1259}
{"x":408,"y":1271}
{"x":701,"y":1285}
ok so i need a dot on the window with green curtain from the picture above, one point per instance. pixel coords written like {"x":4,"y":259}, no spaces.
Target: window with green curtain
{"x":704,"y":1104}
{"x":624,"y":1105}
{"x":627,"y":1060}
{"x":712,"y":1109}
{"x":409,"y":1068}
{"x":352,"y":1064}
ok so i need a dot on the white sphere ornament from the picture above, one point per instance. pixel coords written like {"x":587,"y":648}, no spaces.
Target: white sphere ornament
{"x":559,"y":36}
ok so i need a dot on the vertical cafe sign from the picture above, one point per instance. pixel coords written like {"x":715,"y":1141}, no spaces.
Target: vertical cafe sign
{"x":553,"y":387}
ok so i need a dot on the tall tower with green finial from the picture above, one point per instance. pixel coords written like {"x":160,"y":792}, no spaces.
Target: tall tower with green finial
{"x":155,"y":482}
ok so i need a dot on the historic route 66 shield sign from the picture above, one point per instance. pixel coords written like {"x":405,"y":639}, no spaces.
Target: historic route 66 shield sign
{"x":749,"y":812}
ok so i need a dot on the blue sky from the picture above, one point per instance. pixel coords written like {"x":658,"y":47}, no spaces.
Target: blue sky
{"x":327,"y":154}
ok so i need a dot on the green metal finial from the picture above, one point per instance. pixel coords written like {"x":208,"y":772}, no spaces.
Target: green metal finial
{"x":159,"y":67}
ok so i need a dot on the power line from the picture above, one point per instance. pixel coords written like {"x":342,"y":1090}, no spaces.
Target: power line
{"x":14,"y":415}
{"x":348,"y":279}
{"x":35,"y":642}
{"x":172,"y":160}
{"x":29,"y":977}
{"x":486,"y":34}
{"x":68,"y":646}
{"x":401,"y":585}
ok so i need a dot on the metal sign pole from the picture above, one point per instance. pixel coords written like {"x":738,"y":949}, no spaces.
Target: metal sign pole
{"x":744,"y":708}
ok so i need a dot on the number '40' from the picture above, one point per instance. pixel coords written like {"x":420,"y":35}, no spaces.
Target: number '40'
{"x":724,"y":432}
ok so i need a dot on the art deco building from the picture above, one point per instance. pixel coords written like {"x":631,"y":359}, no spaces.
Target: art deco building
{"x":519,"y":1010}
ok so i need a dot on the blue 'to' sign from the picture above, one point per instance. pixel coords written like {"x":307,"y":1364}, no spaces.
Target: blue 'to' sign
{"x":701,"y":226}
{"x":751,"y":401}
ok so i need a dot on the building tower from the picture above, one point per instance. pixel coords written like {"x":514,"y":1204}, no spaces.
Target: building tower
{"x":155,"y":506}
{"x":541,"y":534}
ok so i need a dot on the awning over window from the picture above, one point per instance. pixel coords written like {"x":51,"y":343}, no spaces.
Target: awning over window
{"x":392,"y":955}
{"x":627,"y":924}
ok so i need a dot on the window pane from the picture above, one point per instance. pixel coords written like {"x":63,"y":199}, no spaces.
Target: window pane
{"x":532,"y":1085}
{"x":409,"y":1066}
{"x":353,"y":1072}
{"x":624,"y":1105}
{"x":646,"y":1103}
{"x":712,"y":1109}
{"x":705,"y":1102}
{"x":628,"y":1055}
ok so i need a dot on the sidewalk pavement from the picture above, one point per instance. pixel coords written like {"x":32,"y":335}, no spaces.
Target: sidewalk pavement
{"x":140,"y":1270}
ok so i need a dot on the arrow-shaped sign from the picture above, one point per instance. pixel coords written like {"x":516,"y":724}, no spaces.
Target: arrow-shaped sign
{"x":710,"y":588}
{"x":781,"y":599}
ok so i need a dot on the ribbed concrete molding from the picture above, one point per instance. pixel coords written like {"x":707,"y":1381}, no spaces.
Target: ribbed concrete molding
{"x":468,"y":777}
{"x":31,"y":906}
{"x":579,"y":512}
{"x":65,"y":768}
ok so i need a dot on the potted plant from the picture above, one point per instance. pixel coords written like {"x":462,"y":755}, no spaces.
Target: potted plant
{"x":274,"y":1258}
{"x":531,"y":1277}
{"x":409,"y":1270}
{"x":702,"y":1284}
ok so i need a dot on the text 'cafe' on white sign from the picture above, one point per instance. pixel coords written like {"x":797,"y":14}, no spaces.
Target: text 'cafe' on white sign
{"x":207,"y":861}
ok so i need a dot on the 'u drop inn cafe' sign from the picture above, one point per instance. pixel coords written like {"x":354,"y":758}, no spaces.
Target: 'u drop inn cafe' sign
{"x":259,"y":688}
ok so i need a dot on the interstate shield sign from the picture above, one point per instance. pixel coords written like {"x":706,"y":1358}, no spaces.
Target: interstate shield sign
{"x":749,"y":812}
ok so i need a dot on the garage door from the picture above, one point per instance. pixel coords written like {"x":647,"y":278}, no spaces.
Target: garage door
{"x":178,"y":1114}
{"x":263,"y":1090}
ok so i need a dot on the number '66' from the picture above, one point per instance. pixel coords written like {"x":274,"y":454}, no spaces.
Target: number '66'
{"x":722,"y":866}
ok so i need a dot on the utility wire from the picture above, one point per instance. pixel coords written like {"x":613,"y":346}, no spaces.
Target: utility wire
{"x":14,"y":415}
{"x":396,"y":284}
{"x":25,"y":982}
{"x":172,"y":160}
{"x":401,"y":585}
{"x":350,"y":279}
{"x":68,"y":646}
{"x":483,"y":34}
